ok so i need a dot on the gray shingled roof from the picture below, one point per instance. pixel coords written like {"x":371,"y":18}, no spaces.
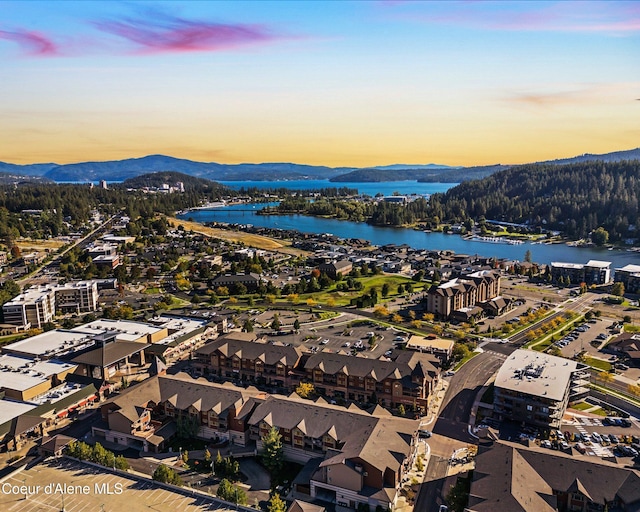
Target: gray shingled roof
{"x":510,"y":477}
{"x":381,"y":441}
{"x":268,"y":353}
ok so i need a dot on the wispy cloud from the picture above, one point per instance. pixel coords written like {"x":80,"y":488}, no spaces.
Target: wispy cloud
{"x":31,"y":43}
{"x":617,"y":18}
{"x":564,"y":95}
{"x":162,"y":33}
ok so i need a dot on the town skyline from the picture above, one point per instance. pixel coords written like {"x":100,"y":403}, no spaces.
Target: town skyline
{"x":336,"y":84}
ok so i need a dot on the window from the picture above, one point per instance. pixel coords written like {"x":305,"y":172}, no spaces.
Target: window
{"x":529,"y":407}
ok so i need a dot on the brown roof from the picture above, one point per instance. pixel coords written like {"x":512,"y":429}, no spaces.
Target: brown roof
{"x":510,"y":477}
{"x":182,"y":391}
{"x":381,"y":441}
{"x":55,"y":443}
{"x":268,"y":353}
{"x":378,"y":369}
{"x":109,"y":354}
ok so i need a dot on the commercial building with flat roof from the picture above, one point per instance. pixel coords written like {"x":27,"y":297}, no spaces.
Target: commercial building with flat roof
{"x":536,"y":388}
{"x":23,"y":378}
{"x":52,"y":344}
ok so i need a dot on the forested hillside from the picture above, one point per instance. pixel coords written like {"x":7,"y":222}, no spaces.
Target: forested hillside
{"x":575,"y":199}
{"x":157,"y":179}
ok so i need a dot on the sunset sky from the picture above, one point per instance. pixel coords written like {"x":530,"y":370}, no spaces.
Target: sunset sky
{"x":329,"y":83}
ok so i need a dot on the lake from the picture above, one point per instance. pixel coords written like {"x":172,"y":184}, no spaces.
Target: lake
{"x":386,"y":188}
{"x":540,"y":253}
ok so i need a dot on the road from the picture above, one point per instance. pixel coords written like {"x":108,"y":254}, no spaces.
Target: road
{"x":32,"y":277}
{"x":451,"y":429}
{"x":579,"y":305}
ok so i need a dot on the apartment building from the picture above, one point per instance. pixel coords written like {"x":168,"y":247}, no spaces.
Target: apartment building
{"x":240,"y":356}
{"x":33,"y":308}
{"x":354,"y":458}
{"x":592,"y":272}
{"x":406,"y":378}
{"x":148,"y":415}
{"x":461,"y":293}
{"x":535,"y":388}
{"x":37,"y":306}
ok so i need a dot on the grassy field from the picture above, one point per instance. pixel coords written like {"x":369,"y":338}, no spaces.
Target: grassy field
{"x":28,"y":245}
{"x":250,"y":239}
{"x":597,"y":363}
{"x":581,"y":406}
{"x":340,"y":298}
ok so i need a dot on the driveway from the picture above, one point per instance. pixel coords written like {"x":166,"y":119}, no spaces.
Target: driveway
{"x":257,"y":484}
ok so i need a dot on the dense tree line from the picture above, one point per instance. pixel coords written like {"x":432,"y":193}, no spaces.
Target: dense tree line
{"x":60,"y":209}
{"x":575,"y":199}
{"x":599,"y":198}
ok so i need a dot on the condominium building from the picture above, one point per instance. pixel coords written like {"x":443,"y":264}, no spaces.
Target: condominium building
{"x":592,"y":272}
{"x":535,"y":388}
{"x":629,"y":276}
{"x":33,"y":308}
{"x":461,"y":293}
{"x":37,"y":306}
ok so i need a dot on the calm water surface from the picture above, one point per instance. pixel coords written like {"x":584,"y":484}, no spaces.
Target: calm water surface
{"x":246,"y":214}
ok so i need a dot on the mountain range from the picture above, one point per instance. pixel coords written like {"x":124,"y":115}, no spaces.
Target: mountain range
{"x":120,"y":170}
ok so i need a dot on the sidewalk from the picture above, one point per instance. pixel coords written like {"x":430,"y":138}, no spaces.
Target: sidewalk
{"x":423,"y":451}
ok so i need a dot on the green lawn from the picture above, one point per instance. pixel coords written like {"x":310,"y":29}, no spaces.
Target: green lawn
{"x":631,"y":328}
{"x":470,"y":356}
{"x":152,"y":290}
{"x":581,"y":406}
{"x":597,"y":363}
{"x":341,"y":298}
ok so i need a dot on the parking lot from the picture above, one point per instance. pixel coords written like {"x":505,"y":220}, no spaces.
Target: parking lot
{"x":347,"y":333}
{"x":84,"y":488}
{"x":589,"y":336}
{"x":586,"y":436}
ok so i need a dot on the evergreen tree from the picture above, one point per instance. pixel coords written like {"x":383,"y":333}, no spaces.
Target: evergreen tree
{"x":272,"y":451}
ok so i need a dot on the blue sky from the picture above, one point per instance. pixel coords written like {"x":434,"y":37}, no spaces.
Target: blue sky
{"x":332,"y":83}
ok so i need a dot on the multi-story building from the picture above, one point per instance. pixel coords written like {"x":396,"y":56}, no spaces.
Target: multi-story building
{"x":592,"y":272}
{"x":33,"y":308}
{"x":251,"y":281}
{"x":146,"y":416}
{"x":508,"y":476}
{"x":463,"y":292}
{"x":354,"y":458}
{"x":79,"y":297}
{"x":408,"y":378}
{"x":629,"y":276}
{"x":37,"y":306}
{"x":535,"y":388}
{"x":334,"y":267}
{"x":244,"y":356}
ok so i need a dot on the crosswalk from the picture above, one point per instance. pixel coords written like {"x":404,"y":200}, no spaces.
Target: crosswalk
{"x":594,"y":448}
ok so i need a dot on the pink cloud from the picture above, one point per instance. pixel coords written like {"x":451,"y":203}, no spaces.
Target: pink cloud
{"x":172,"y":34}
{"x":31,"y":43}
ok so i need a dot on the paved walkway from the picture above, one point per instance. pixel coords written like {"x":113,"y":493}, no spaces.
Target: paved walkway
{"x":423,"y":451}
